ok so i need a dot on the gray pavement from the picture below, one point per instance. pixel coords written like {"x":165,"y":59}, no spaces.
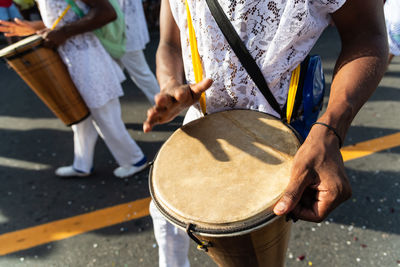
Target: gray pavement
{"x":364,"y":231}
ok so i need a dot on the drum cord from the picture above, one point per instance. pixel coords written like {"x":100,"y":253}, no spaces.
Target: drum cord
{"x":201,"y":245}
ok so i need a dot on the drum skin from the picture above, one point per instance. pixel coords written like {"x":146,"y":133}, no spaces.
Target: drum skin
{"x":45,"y":73}
{"x":222,"y":175}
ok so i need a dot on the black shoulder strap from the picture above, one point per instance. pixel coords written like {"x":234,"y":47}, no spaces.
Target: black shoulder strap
{"x":242,"y":53}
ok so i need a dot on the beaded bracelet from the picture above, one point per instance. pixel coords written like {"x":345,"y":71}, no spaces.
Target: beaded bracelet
{"x":332,"y":129}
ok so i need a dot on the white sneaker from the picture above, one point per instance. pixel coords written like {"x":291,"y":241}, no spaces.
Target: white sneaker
{"x":126,"y":171}
{"x":69,"y":171}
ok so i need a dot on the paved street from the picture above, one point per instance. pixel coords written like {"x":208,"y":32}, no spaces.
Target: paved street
{"x":38,"y":207}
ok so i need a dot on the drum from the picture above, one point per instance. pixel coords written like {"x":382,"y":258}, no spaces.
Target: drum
{"x":45,"y":73}
{"x":219,"y":178}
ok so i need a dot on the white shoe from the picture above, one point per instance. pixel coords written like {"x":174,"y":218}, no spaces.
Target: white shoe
{"x":126,"y":171}
{"x":69,"y":171}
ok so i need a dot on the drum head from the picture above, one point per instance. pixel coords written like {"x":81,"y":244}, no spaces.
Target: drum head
{"x":226,"y":170}
{"x":21,"y":46}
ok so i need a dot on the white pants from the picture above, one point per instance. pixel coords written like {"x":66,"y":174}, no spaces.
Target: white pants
{"x":173,"y":243}
{"x":140,"y":73}
{"x":107,"y":122}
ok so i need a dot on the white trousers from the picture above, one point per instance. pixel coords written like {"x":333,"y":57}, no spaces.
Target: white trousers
{"x":105,"y":121}
{"x":136,"y":65}
{"x":173,"y":243}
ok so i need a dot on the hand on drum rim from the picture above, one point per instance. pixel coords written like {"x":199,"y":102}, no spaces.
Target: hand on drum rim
{"x":318,"y":182}
{"x":19,"y":27}
{"x":172,"y":100}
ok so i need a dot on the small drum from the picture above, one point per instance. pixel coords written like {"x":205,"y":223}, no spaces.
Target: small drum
{"x":219,"y":178}
{"x":45,"y":73}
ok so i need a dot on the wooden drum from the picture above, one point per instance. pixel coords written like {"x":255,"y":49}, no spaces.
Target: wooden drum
{"x":45,"y":73}
{"x":219,"y":177}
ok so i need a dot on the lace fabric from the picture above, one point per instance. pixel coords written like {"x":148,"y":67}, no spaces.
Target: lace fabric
{"x":137,"y":33}
{"x":392,"y":18}
{"x":278,"y":33}
{"x":95,"y":74}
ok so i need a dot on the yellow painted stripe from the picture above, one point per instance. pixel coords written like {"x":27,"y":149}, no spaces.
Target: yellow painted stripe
{"x":61,"y":229}
{"x":369,"y":147}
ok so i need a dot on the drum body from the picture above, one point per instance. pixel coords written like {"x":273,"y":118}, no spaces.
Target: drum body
{"x":219,"y":178}
{"x":45,"y":73}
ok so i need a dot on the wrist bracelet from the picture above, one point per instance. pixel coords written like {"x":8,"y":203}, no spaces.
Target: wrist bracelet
{"x":332,"y":129}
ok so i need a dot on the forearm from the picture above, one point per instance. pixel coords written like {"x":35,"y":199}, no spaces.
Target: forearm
{"x":362,"y":61}
{"x":358,"y":72}
{"x":37,"y":25}
{"x":97,"y":17}
{"x":169,"y":70}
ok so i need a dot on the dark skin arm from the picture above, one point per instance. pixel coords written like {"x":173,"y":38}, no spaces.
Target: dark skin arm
{"x":318,"y":182}
{"x":101,"y":12}
{"x":175,"y":96}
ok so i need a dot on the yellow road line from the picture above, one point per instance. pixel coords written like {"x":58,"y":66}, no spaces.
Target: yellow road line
{"x":61,"y":229}
{"x":371,"y":146}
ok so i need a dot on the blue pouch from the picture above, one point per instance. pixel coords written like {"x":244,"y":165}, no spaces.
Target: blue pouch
{"x":309,"y":96}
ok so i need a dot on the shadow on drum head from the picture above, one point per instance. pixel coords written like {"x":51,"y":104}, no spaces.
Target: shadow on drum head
{"x":259,"y":135}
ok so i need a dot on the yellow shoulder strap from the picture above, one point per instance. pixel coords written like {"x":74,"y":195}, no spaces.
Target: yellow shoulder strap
{"x":60,"y":17}
{"x":198,"y":70}
{"x":294,"y":84}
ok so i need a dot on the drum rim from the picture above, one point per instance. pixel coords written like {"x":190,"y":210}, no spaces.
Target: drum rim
{"x":247,"y":226}
{"x":210,"y":232}
{"x":20,"y":51}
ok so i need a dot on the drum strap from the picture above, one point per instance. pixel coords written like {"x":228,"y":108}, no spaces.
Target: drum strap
{"x":197,"y":68}
{"x":243,"y":54}
{"x":201,"y":245}
{"x":60,"y":17}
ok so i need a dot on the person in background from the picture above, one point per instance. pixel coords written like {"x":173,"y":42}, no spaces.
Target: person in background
{"x":279,"y":35}
{"x":9,"y":12}
{"x":28,"y":9}
{"x":392,"y":18}
{"x":133,"y":60}
{"x":97,"y":77}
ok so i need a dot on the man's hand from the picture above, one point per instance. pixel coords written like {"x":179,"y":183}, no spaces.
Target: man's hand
{"x":172,"y":100}
{"x":318,"y":181}
{"x":53,"y":38}
{"x":19,"y":27}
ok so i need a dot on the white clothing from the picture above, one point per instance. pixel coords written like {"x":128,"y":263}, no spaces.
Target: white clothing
{"x":133,"y":60}
{"x":95,"y":74}
{"x":137,"y":34}
{"x":140,"y":73}
{"x":173,"y":243}
{"x":278,"y":34}
{"x":392,"y":18}
{"x":98,"y":79}
{"x":107,"y":122}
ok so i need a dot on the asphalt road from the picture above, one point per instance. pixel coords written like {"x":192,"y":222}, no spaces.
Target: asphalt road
{"x":364,"y":231}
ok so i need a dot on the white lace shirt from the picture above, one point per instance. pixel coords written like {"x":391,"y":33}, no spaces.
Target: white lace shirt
{"x":95,"y":74}
{"x":278,"y":33}
{"x":137,"y":34}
